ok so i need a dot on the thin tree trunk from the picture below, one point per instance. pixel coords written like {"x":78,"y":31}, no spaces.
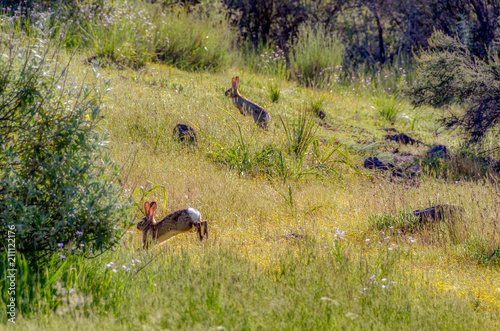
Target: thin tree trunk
{"x":373,"y":9}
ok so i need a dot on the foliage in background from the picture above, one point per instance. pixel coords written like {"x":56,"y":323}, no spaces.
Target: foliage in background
{"x":450,"y":73}
{"x":374,"y":32}
{"x":56,"y":180}
{"x":129,"y":33}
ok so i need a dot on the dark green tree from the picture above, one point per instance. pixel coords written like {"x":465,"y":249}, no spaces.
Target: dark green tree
{"x":448,"y":72}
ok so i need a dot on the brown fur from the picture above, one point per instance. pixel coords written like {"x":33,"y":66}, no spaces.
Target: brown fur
{"x":177,"y":222}
{"x":247,"y":107}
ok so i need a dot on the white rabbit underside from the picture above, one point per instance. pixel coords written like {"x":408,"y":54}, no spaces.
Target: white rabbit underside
{"x":194,"y":215}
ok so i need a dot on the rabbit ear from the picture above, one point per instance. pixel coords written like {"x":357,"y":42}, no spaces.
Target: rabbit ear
{"x":146,"y":208}
{"x":153,"y":208}
{"x":237,"y":80}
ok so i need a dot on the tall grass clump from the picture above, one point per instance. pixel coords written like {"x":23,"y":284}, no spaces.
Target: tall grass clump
{"x":404,"y":220}
{"x":316,"y":106}
{"x":387,"y":105}
{"x":241,"y":150}
{"x":316,"y":56}
{"x":197,"y":39}
{"x":286,"y":160}
{"x":300,"y":132}
{"x":57,"y":183}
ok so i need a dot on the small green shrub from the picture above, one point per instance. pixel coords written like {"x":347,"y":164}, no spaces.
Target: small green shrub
{"x":56,"y":180}
{"x":315,"y":56}
{"x":449,"y":73}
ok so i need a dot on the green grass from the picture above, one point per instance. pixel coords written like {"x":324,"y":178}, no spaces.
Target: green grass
{"x":128,"y":34}
{"x":274,"y":91}
{"x":388,"y":106}
{"x":255,"y":188}
{"x":247,"y":275}
{"x":310,"y":286}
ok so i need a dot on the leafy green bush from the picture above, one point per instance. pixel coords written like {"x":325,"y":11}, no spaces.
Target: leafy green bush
{"x":56,"y":181}
{"x":449,"y":73}
{"x":315,"y":56}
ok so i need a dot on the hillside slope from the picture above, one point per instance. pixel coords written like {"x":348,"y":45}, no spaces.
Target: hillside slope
{"x":291,"y":242}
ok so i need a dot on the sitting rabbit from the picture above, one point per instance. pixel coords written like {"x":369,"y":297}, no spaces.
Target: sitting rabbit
{"x":247,"y":107}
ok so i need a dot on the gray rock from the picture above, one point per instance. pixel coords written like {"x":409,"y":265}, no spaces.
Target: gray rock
{"x":183,"y":132}
{"x":438,"y":151}
{"x":402,"y":138}
{"x":375,"y":163}
{"x":437,"y":213}
{"x":414,"y":170}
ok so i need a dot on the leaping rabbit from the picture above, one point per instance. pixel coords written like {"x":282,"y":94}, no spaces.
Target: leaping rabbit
{"x":247,"y":107}
{"x":171,"y":225}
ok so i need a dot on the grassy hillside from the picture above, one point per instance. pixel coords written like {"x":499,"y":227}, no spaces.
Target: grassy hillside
{"x":252,"y":273}
{"x":301,"y":235}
